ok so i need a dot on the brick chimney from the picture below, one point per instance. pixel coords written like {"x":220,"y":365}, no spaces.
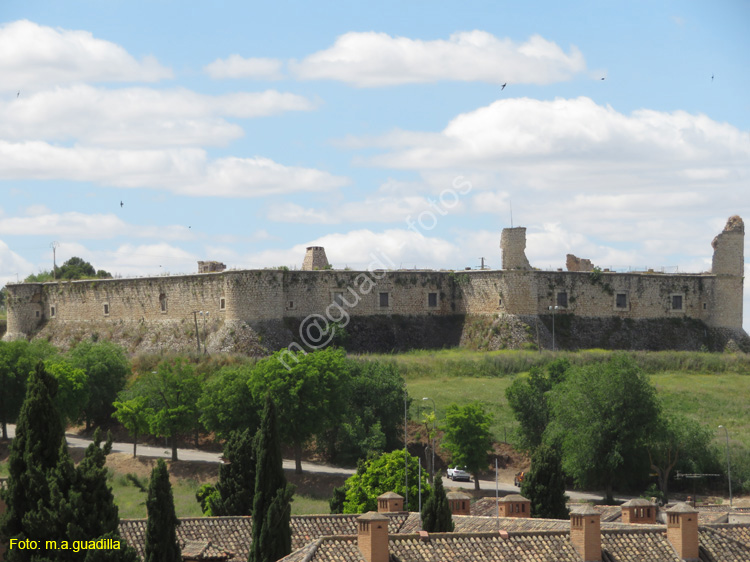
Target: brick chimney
{"x":372,"y":536}
{"x":514,"y":505}
{"x":682,"y":530}
{"x":639,"y":511}
{"x":585,"y":533}
{"x":459,"y":503}
{"x":390,"y":502}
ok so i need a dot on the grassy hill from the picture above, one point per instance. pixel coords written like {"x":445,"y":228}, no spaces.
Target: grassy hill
{"x":712,"y":388}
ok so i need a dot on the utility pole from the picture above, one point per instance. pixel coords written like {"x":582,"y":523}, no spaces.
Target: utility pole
{"x":54,"y":246}
{"x":197,"y":334}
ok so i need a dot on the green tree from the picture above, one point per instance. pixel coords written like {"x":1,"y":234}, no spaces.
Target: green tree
{"x":679,"y":441}
{"x":16,"y":363}
{"x":161,"y":533}
{"x":236,"y":484}
{"x":107,"y":368}
{"x":603,"y":416}
{"x":528,"y":397}
{"x":436,"y":514}
{"x":77,"y":268}
{"x":382,"y":474}
{"x":467,"y":437}
{"x":34,"y":455}
{"x":133,"y":414}
{"x":73,"y":389}
{"x":307,"y":393}
{"x":83,"y":504}
{"x":544,"y":484}
{"x":171,"y":394}
{"x":226,"y":404}
{"x":374,"y":412}
{"x":272,"y":534}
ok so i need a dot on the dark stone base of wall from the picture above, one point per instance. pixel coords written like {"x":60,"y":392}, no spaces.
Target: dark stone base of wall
{"x":657,"y":334}
{"x":396,"y":333}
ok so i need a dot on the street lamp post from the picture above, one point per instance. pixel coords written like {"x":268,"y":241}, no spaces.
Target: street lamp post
{"x":406,"y":455}
{"x":729,"y":468}
{"x":553,"y":309}
{"x":434,"y":431}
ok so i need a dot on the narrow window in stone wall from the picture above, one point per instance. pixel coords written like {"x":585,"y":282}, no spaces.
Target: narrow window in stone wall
{"x":562,"y":299}
{"x":291,"y":305}
{"x":52,"y":311}
{"x":704,"y":306}
{"x":676,"y":302}
{"x":106,"y":309}
{"x":37,"y":314}
{"x":432,"y":300}
{"x":384,"y":300}
{"x":222,"y":303}
{"x":163,"y":302}
{"x":621,"y":300}
{"x":338,"y":298}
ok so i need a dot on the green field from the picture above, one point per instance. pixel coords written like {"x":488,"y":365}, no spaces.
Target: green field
{"x":711,"y":388}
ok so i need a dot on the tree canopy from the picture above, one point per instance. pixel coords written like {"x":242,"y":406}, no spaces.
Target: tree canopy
{"x":384,"y":473}
{"x":161,"y":534}
{"x":74,"y":268}
{"x":272,"y":534}
{"x":308,"y":394}
{"x":544,"y":484}
{"x":604,"y":415}
{"x":467,"y":437}
{"x":106,"y":367}
{"x":436,"y":514}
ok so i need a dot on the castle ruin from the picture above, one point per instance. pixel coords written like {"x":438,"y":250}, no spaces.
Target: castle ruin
{"x":394,"y":309}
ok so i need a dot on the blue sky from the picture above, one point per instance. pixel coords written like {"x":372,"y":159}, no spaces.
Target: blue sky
{"x":244,"y":132}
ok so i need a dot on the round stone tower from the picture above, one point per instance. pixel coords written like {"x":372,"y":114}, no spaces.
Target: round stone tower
{"x":315,"y":258}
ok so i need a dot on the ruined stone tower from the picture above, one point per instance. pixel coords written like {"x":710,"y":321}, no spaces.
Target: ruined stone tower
{"x":513,"y":248}
{"x":728,"y":265}
{"x":315,"y":258}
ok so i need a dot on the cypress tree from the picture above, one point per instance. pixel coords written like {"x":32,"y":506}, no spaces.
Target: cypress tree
{"x":544,"y":484}
{"x":161,"y":535}
{"x":34,"y":454}
{"x":236,"y":484}
{"x":272,"y":536}
{"x":436,"y":514}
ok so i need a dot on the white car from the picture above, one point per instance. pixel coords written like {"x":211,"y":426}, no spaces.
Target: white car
{"x":458,"y":473}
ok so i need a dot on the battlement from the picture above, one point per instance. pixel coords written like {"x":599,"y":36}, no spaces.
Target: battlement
{"x":259,"y":297}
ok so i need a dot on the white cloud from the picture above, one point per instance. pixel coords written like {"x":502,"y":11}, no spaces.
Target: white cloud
{"x":138,"y":117}
{"x":185,"y":171}
{"x":34,"y":57}
{"x":577,"y":145}
{"x":372,"y":209}
{"x":359,"y":249}
{"x":370,"y":59}
{"x":236,"y":66}
{"x":82,"y":226}
{"x":13,"y":267}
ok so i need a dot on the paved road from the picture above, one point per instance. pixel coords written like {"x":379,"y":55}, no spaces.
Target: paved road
{"x":204,"y":456}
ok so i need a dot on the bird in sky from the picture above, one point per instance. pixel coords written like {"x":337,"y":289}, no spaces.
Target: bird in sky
{"x":712,"y":78}
{"x":19,"y":91}
{"x":602,"y":78}
{"x":503,"y":86}
{"x":121,"y":204}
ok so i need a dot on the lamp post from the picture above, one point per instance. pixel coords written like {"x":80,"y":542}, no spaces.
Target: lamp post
{"x":406,"y":456}
{"x":553,"y":309}
{"x":434,"y":431}
{"x":205,"y":317}
{"x":729,"y":469}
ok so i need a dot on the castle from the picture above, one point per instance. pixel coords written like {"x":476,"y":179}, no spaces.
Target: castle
{"x":384,"y":308}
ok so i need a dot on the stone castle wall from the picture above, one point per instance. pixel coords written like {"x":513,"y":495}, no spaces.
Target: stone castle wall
{"x":256,"y":297}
